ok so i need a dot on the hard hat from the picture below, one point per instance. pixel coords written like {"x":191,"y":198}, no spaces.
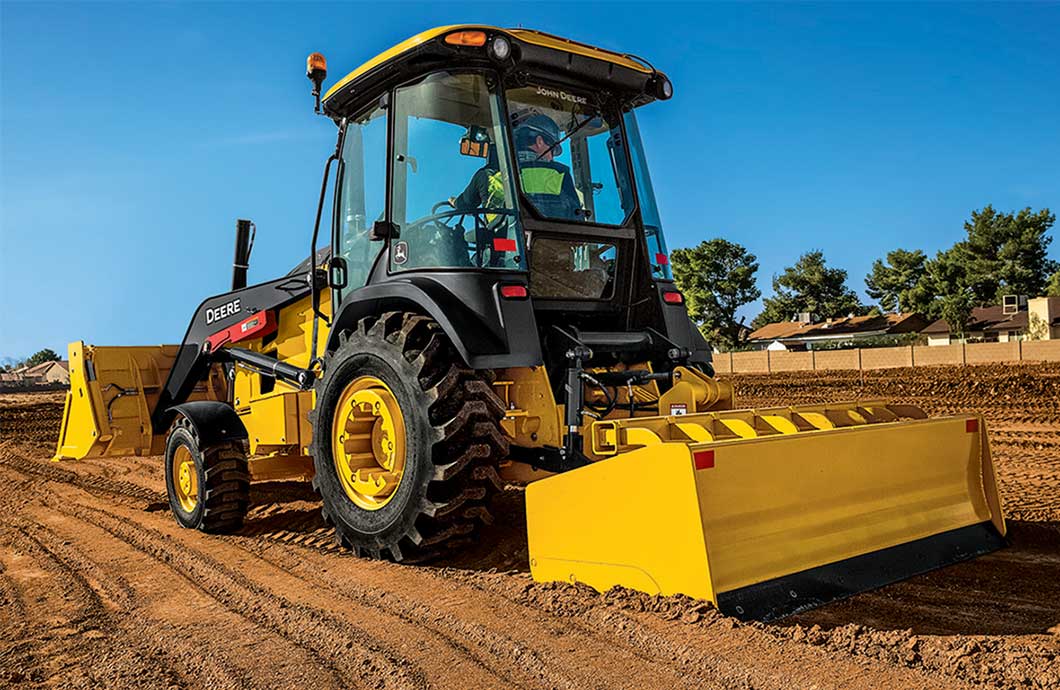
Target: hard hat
{"x":534,"y":126}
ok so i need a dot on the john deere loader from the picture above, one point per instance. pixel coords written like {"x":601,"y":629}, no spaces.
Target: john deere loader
{"x":487,"y":299}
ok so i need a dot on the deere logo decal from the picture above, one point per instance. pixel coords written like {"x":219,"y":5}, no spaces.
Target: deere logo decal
{"x":223,"y":311}
{"x":562,"y":95}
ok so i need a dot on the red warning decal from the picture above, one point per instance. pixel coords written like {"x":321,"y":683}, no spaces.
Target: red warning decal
{"x":501,"y":244}
{"x":703,"y":459}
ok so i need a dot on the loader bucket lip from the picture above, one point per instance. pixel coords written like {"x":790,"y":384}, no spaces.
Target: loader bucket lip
{"x":801,"y":591}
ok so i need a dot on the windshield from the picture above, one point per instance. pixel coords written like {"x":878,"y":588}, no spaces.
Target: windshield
{"x":573,"y":164}
{"x":452,"y":197}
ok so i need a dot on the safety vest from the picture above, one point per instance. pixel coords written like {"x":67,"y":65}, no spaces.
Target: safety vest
{"x":542,"y":184}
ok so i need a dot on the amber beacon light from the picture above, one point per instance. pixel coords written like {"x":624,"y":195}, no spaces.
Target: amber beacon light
{"x":316,"y":68}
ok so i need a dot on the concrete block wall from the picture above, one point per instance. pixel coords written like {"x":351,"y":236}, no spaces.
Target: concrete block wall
{"x":750,"y":362}
{"x":764,"y":361}
{"x":937,"y":355}
{"x":886,"y":357}
{"x":791,"y":361}
{"x":837,"y":359}
{"x":988,"y":353}
{"x":1040,"y":351}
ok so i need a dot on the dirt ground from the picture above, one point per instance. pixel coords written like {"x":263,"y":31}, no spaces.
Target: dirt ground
{"x":99,"y":587}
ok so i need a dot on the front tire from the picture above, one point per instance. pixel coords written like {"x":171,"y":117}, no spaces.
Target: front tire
{"x":208,"y":487}
{"x":406,"y":440}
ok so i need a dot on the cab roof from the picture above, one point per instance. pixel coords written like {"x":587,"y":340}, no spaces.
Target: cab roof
{"x":528,"y":38}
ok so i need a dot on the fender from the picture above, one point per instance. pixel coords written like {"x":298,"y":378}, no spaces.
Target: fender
{"x":488,"y":331}
{"x":213,"y":421}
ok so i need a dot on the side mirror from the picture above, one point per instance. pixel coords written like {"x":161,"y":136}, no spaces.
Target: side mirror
{"x":382,"y":230}
{"x":338,"y":274}
{"x":476,"y":142}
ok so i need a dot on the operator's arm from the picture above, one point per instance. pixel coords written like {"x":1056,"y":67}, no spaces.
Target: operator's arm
{"x":473,"y":196}
{"x":569,"y":195}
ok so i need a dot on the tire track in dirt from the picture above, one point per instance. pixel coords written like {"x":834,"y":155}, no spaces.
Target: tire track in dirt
{"x":14,"y":621}
{"x":708,"y":648}
{"x":94,"y":484}
{"x":483,"y":645}
{"x":122,"y":597}
{"x":346,"y":650}
{"x":321,"y":540}
{"x":86,"y":617}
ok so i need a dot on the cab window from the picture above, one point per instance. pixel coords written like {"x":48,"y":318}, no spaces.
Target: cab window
{"x":453,"y":198}
{"x":572,"y":160}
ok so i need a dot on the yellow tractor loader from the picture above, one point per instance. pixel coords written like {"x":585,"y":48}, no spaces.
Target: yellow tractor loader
{"x":491,"y":302}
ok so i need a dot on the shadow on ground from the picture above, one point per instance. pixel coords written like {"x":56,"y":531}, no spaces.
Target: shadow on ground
{"x":1014,"y":591}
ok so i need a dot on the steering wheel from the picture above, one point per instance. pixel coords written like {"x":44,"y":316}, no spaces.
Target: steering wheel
{"x":438,"y":241}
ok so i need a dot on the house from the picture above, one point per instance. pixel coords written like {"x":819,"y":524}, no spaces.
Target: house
{"x":1017,"y":318}
{"x":805,"y":333}
{"x":43,"y":373}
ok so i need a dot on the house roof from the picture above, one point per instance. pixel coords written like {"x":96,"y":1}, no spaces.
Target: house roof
{"x":43,"y":368}
{"x":984,"y":319}
{"x":877,"y":324}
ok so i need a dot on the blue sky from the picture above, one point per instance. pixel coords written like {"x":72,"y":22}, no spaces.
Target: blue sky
{"x":133,"y":136}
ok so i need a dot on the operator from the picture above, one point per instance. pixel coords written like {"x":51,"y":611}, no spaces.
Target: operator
{"x":546,"y":182}
{"x":485,"y":190}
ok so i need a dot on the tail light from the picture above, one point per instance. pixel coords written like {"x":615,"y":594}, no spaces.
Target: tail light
{"x":514,"y":291}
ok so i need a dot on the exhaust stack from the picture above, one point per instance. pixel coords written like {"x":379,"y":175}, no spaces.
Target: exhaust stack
{"x":245,"y":231}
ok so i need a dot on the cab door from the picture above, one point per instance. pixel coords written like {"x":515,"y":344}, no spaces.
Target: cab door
{"x":360,"y":198}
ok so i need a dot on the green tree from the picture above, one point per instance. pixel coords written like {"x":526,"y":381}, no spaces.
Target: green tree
{"x":946,"y":278}
{"x":957,"y":310}
{"x":898,"y":283}
{"x":717,"y":277}
{"x":1053,"y":288}
{"x":42,"y":356}
{"x":1005,"y":253}
{"x":809,"y":286}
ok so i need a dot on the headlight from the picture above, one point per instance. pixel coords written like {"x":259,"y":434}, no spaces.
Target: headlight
{"x":500,"y":47}
{"x":664,"y":90}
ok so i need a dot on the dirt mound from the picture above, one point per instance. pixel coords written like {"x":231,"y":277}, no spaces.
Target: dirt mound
{"x":998,"y":390}
{"x":29,"y":420}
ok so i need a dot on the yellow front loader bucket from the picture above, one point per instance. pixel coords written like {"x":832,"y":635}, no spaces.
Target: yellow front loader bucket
{"x":769,"y":512}
{"x":113,"y":391}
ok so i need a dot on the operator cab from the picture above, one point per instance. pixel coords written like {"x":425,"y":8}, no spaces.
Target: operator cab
{"x":474,"y":159}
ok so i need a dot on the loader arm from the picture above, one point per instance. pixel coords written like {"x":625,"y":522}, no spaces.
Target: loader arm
{"x":219,"y":320}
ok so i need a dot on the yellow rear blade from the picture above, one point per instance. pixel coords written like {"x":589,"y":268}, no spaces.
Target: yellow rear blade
{"x":769,"y":525}
{"x":112,"y":394}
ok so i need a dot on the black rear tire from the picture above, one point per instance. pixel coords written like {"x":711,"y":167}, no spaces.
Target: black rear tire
{"x":453,"y":440}
{"x":221,"y":481}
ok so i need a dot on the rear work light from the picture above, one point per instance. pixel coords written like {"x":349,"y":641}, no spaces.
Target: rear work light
{"x":513,"y":291}
{"x":673,"y":298}
{"x":466,"y":38}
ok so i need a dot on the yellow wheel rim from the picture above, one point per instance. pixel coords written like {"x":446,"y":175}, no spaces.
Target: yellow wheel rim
{"x":368,"y":442}
{"x":185,"y":478}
